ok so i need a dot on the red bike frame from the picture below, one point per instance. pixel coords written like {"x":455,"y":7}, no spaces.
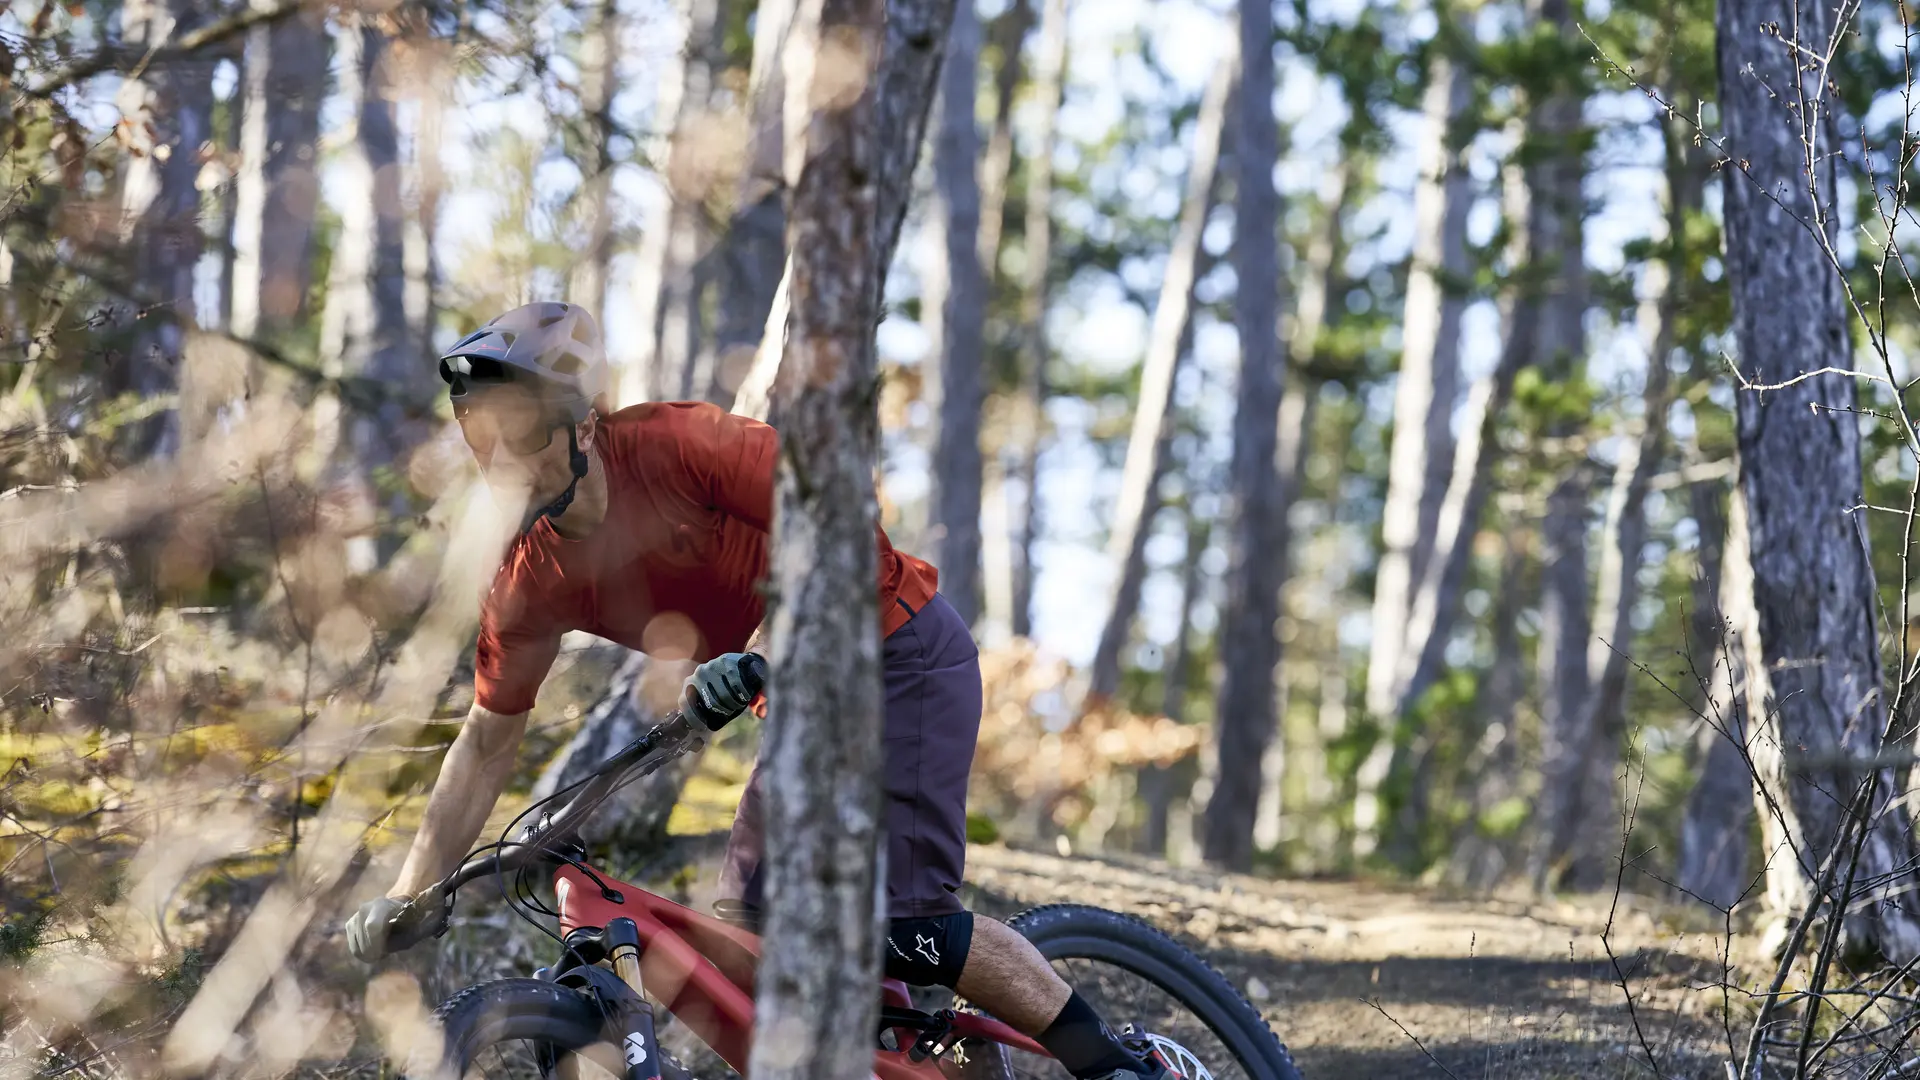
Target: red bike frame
{"x":703,"y":968}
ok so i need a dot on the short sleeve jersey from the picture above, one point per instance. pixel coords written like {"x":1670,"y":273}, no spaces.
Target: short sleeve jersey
{"x":675,"y":568}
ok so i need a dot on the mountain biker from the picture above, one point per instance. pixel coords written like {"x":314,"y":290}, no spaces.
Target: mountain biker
{"x":651,"y":528}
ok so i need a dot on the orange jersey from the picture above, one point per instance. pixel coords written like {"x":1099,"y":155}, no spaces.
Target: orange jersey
{"x":676,"y":567}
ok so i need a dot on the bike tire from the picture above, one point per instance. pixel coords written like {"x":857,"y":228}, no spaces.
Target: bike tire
{"x":1076,"y":932}
{"x":510,"y":1010}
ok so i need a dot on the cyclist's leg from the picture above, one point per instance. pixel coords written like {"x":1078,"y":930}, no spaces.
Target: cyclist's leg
{"x":933,"y":706}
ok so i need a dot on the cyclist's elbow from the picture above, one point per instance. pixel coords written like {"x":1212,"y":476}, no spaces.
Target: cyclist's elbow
{"x":494,"y":735}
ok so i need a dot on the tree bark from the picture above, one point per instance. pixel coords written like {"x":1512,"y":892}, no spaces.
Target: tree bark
{"x":675,"y":238}
{"x":364,"y":329}
{"x":1716,"y":826}
{"x":1146,"y":444}
{"x":753,"y":250}
{"x":635,"y":818}
{"x":168,"y":109}
{"x":1800,"y":584}
{"x":1250,"y":643}
{"x":1006,"y":36}
{"x":1422,"y":446}
{"x":599,"y":76}
{"x":1049,"y":73}
{"x":1156,"y":782}
{"x":816,"y":1007}
{"x":1436,"y":598}
{"x":277,"y":186}
{"x":955,"y":299}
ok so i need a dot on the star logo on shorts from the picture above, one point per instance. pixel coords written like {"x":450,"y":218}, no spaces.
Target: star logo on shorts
{"x":923,"y":945}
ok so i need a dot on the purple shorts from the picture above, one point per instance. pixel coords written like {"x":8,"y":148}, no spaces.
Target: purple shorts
{"x":931,"y":672}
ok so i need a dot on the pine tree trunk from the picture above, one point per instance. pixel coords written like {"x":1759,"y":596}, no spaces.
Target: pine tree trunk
{"x":674,"y":239}
{"x":954,"y":292}
{"x":168,"y":107}
{"x":635,"y":818}
{"x":364,"y":328}
{"x":1422,"y":446}
{"x":1800,"y":585}
{"x":1049,"y":74}
{"x":599,"y":76}
{"x":1716,"y":826}
{"x":1147,"y":444}
{"x":754,"y":248}
{"x":1006,"y":35}
{"x":431,"y":93}
{"x":816,"y":1007}
{"x":1436,"y":596}
{"x":1250,"y":643}
{"x":1156,"y":783}
{"x":277,"y":186}
{"x":1567,"y":795}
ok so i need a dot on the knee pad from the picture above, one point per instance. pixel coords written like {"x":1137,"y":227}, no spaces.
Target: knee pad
{"x":929,"y":950}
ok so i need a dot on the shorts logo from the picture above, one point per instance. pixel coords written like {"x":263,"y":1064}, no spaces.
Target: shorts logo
{"x":924,"y":946}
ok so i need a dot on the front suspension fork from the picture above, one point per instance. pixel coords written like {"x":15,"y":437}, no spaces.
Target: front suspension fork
{"x":635,"y":1018}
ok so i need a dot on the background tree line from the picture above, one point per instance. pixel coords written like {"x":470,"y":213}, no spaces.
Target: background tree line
{"x":1349,"y":427}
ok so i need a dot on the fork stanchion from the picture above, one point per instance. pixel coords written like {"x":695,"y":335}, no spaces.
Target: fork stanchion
{"x":642,"y":1050}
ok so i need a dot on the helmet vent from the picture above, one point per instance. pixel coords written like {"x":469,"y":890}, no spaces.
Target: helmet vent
{"x":567,"y":364}
{"x":550,"y":320}
{"x":582,"y":333}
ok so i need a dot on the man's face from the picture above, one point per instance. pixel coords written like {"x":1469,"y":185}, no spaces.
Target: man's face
{"x":520,"y":443}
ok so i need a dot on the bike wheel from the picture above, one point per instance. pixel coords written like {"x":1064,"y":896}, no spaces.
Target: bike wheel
{"x":518,"y":1029}
{"x":1133,"y":974}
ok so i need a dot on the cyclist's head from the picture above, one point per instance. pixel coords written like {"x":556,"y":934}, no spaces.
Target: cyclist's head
{"x":517,"y":383}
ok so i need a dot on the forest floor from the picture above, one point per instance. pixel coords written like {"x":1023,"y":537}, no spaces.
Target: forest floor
{"x":1382,"y":982}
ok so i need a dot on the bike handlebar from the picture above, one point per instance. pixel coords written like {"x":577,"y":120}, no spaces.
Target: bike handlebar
{"x":692,"y":720}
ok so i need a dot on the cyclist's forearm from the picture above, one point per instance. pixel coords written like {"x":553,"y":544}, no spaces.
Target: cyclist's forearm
{"x":476,"y":771}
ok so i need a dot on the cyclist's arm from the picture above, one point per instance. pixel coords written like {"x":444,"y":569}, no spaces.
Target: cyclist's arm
{"x":476,"y":771}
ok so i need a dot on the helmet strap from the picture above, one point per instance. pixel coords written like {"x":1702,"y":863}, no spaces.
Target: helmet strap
{"x":578,"y":459}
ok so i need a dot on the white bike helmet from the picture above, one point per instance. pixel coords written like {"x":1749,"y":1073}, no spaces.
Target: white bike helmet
{"x":551,"y":345}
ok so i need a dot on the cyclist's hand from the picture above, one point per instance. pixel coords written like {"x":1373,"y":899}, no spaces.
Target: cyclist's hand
{"x":722,"y":685}
{"x":388,"y":924}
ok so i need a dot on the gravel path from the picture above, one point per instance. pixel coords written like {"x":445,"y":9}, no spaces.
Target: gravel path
{"x":1350,"y":975}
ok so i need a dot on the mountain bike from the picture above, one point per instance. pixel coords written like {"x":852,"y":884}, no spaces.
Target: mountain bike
{"x":626,"y":953}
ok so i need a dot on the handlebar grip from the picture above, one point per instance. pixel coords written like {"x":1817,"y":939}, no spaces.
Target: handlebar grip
{"x":753,"y":673}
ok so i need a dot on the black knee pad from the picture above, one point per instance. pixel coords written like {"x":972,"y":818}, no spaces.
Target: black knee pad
{"x":929,"y":950}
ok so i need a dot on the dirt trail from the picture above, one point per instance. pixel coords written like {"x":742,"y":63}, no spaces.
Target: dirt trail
{"x":1490,"y":988}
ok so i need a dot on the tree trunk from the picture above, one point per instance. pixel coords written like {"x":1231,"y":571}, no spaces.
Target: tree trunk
{"x":1422,"y":446}
{"x":955,"y":299}
{"x":278,"y":185}
{"x":1250,"y":643}
{"x":753,"y":250}
{"x":1006,"y":35}
{"x":364,"y":330}
{"x":1587,"y":831}
{"x":1716,"y":827}
{"x":1156,"y":783}
{"x":636,"y":817}
{"x":1147,"y":445}
{"x":675,"y":237}
{"x":168,"y":108}
{"x":431,"y":92}
{"x":1436,"y":597}
{"x":909,"y":66}
{"x":1049,"y":73}
{"x":1478,"y":860}
{"x":1800,"y":584}
{"x":1717,"y":824}
{"x":816,"y":1007}
{"x":599,"y":76}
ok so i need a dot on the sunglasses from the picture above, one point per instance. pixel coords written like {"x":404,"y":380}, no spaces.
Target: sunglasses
{"x":505,"y":419}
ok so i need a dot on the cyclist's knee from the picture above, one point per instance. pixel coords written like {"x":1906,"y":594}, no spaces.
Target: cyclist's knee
{"x":929,"y":950}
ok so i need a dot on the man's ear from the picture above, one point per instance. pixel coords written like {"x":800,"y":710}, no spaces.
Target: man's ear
{"x":587,"y":429}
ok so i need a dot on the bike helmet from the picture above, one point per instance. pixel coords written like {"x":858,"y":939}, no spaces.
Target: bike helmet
{"x":553,"y":346}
